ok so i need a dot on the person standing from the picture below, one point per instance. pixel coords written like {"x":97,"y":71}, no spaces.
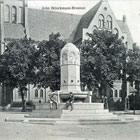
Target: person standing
{"x":70,"y":101}
{"x":105,"y":101}
{"x":53,"y":100}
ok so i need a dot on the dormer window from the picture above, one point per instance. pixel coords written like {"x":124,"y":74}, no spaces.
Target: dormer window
{"x":14,"y":14}
{"x":101,"y":21}
{"x":7,"y":13}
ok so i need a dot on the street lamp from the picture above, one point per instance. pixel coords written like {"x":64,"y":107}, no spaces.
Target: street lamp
{"x":134,"y":103}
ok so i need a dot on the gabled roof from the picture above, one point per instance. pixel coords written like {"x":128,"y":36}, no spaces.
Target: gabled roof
{"x":85,"y":21}
{"x":125,"y":29}
{"x":42,"y":23}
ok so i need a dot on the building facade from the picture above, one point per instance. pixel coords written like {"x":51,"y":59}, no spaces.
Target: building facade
{"x":18,"y":20}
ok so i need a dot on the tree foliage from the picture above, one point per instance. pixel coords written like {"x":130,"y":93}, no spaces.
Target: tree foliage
{"x":133,"y":64}
{"x":101,"y":59}
{"x":48,"y":62}
{"x":17,"y":64}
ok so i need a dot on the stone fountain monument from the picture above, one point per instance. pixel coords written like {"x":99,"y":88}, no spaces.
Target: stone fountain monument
{"x":70,"y":75}
{"x":84,"y":111}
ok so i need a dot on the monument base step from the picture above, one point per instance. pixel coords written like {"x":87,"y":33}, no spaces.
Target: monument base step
{"x":82,"y":114}
{"x":76,"y":106}
{"x":89,"y":121}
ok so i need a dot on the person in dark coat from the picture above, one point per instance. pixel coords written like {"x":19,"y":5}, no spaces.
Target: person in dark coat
{"x":70,"y":101}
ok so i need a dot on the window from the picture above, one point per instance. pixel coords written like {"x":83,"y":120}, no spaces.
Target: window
{"x":24,"y":92}
{"x":116,"y":32}
{"x":19,"y":93}
{"x":36,"y":93}
{"x":105,"y":9}
{"x":14,"y":14}
{"x":21,"y":14}
{"x":116,"y":93}
{"x":111,"y":93}
{"x":95,"y":27}
{"x":120,"y":93}
{"x":101,"y":21}
{"x":7,"y":13}
{"x":109,"y":22}
{"x":41,"y":93}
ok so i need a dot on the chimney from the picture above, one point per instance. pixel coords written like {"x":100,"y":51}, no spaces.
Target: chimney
{"x":124,"y":19}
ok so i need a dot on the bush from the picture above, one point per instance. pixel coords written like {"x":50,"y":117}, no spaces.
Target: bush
{"x":96,"y":99}
{"x":116,"y":106}
{"x":29,"y":104}
{"x":134,"y":102}
{"x":16,"y":104}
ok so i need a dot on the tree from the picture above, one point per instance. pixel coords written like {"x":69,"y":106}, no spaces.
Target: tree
{"x":133,"y":65}
{"x":17,"y":65}
{"x":101,"y":60}
{"x":48,"y":62}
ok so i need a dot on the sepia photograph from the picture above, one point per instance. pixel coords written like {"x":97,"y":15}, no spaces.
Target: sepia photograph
{"x":69,"y":70}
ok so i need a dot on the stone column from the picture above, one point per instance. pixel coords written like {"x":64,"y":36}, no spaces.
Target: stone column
{"x":70,"y":68}
{"x":90,"y":96}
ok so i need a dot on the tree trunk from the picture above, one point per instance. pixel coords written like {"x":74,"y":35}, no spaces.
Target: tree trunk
{"x":124,"y":86}
{"x":100,"y":91}
{"x":23,"y":101}
{"x":3,"y":95}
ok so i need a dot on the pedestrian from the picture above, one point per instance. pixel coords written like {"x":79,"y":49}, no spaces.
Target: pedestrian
{"x":70,"y":101}
{"x":53,"y":100}
{"x":105,"y":102}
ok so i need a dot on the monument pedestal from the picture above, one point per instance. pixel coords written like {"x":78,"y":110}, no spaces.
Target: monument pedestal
{"x":88,"y":111}
{"x":82,"y":96}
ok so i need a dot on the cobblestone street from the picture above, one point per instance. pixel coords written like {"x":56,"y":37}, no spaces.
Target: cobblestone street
{"x":25,"y":131}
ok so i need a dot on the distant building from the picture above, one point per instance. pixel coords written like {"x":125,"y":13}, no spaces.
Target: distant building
{"x":16,"y":20}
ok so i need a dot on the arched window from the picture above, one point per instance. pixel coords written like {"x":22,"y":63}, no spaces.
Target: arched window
{"x":116,"y":32}
{"x":41,"y":93}
{"x":19,"y":93}
{"x":7,"y":13}
{"x":116,"y":93}
{"x":109,"y":22}
{"x":94,"y":28}
{"x":36,"y":93}
{"x":14,"y":14}
{"x":101,"y":21}
{"x":111,"y":93}
{"x":25,"y":93}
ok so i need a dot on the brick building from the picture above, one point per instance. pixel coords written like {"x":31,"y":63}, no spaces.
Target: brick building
{"x":17,"y":19}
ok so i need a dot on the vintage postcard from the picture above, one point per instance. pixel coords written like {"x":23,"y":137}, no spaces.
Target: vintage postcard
{"x":69,"y":69}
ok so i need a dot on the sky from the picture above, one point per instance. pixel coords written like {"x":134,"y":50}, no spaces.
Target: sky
{"x":130,"y":8}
